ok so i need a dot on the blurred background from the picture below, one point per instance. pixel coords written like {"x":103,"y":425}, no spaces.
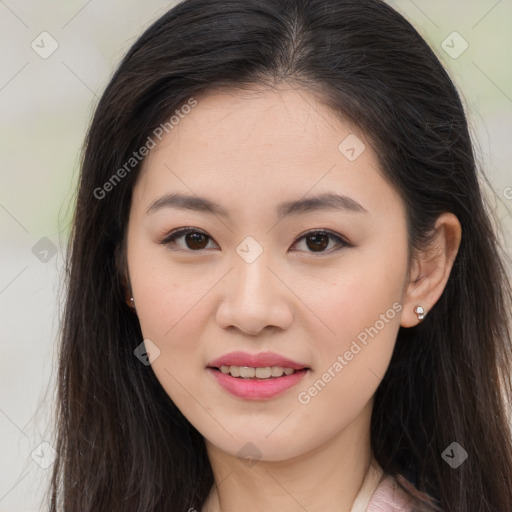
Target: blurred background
{"x":55,"y":60}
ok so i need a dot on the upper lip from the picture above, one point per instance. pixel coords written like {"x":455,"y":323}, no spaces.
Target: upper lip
{"x":261,"y":360}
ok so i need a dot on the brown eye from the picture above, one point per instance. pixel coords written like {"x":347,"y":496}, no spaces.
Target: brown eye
{"x":192,"y":239}
{"x":195,"y":240}
{"x":318,"y":241}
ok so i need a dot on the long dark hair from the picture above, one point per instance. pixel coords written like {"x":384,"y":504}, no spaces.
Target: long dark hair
{"x":122,"y":444}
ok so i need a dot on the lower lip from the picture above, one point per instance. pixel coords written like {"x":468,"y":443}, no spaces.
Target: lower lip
{"x":257,"y":389}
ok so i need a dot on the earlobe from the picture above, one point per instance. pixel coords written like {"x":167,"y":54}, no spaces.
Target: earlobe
{"x":431,"y":269}
{"x":130,"y":300}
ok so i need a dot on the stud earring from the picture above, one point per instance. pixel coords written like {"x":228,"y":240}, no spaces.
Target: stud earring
{"x":133,"y":302}
{"x":420,"y":312}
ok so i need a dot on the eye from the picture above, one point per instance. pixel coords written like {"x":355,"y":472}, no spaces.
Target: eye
{"x":196,"y":240}
{"x":317,"y":241}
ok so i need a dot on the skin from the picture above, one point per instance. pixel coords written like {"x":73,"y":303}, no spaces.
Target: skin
{"x":249,"y":151}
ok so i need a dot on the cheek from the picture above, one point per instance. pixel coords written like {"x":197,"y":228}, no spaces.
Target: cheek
{"x":169,"y":299}
{"x":360,"y":310}
{"x":172,"y":314}
{"x":367,"y":289}
{"x":364,"y":314}
{"x":172,"y":308}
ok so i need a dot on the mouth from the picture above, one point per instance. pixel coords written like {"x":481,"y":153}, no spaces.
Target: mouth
{"x":256,"y":377}
{"x":257,"y":373}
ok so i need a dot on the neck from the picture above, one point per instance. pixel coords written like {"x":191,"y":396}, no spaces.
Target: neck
{"x":328,"y":479}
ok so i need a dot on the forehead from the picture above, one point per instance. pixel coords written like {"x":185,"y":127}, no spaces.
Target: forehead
{"x":261,"y":145}
{"x":281,"y":118}
{"x":258,"y":128}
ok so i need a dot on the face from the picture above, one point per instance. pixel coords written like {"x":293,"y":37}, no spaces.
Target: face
{"x":262,"y":269}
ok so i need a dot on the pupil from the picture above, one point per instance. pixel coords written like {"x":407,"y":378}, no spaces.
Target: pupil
{"x":318,"y":244}
{"x":194,"y":240}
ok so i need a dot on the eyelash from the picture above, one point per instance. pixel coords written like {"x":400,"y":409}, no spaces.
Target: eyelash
{"x":178,"y":233}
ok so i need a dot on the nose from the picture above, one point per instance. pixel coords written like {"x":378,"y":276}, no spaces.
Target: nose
{"x":254,"y":298}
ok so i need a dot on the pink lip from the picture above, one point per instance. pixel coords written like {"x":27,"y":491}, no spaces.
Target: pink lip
{"x":260,"y":360}
{"x":256,"y":389}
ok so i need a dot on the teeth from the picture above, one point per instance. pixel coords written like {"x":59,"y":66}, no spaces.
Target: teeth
{"x":263,"y":373}
{"x":247,"y":372}
{"x":277,"y":371}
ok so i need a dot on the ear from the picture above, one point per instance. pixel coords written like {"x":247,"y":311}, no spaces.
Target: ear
{"x":430,"y":269}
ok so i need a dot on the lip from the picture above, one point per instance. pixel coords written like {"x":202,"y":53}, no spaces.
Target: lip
{"x":256,"y":389}
{"x":260,"y":360}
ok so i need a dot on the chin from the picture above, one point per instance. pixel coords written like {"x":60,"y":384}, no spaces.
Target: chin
{"x":260,"y":446}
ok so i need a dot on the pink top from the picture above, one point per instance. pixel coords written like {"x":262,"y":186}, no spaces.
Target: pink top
{"x":380,"y":492}
{"x":389,"y":497}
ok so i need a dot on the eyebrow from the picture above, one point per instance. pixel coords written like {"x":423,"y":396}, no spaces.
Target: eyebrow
{"x":328,"y":201}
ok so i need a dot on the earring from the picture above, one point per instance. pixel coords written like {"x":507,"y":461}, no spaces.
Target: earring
{"x":420,"y":312}
{"x":133,"y":302}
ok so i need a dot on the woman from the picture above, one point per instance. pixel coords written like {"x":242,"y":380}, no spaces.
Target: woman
{"x":284,"y":291}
